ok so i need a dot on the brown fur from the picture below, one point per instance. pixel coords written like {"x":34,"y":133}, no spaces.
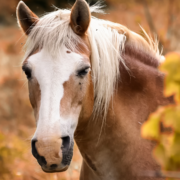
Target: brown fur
{"x":118,"y":152}
{"x":80,"y":17}
{"x":134,"y":41}
{"x":34,"y":96}
{"x":26,"y":18}
{"x":121,"y":153}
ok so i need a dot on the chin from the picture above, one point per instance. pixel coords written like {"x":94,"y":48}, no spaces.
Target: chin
{"x":55,"y":170}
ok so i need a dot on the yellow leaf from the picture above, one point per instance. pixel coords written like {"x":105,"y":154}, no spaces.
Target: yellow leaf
{"x":151,"y":128}
{"x":171,"y":67}
{"x":160,"y":155}
{"x":171,"y":117}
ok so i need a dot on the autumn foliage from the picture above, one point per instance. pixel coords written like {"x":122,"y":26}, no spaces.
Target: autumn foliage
{"x":163,"y":125}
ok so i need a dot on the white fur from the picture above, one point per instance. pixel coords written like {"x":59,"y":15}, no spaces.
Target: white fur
{"x":51,"y":73}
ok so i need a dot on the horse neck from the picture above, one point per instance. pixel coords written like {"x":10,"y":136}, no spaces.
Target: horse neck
{"x":139,"y":92}
{"x":96,"y":140}
{"x":109,"y":151}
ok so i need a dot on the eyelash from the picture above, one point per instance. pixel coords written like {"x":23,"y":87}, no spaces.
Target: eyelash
{"x":83,"y":72}
{"x":27,"y":72}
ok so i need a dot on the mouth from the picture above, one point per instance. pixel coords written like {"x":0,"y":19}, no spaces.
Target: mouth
{"x":47,"y":170}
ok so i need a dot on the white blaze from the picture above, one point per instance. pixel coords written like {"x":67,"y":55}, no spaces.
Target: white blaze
{"x":51,"y":75}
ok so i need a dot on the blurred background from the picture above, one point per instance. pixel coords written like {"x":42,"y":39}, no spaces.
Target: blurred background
{"x":17,"y":125}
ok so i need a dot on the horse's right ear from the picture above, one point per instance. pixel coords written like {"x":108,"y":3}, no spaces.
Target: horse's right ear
{"x":26,"y":18}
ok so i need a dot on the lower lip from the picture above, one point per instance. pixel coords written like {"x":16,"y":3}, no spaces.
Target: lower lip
{"x":55,"y":170}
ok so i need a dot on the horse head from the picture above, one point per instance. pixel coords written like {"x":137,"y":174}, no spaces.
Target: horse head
{"x":59,"y":83}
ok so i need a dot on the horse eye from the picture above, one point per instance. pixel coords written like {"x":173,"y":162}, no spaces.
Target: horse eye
{"x":83,"y":72}
{"x":27,"y":71}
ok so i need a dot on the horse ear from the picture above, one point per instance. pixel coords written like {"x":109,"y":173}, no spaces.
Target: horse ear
{"x":26,"y":18}
{"x":80,"y":17}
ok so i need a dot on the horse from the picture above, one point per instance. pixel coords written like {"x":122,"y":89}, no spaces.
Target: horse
{"x":95,"y":82}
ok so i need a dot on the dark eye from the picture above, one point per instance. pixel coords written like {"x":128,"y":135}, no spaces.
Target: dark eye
{"x":83,"y":72}
{"x":27,"y":71}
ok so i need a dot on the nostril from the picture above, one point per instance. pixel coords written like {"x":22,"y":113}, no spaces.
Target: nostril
{"x":65,"y":143}
{"x":53,"y":166}
{"x":34,"y":151}
{"x":41,"y":160}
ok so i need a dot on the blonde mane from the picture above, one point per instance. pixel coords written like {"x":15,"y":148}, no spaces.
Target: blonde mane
{"x":107,"y":42}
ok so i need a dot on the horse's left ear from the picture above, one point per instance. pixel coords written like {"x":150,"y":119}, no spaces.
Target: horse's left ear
{"x":26,"y":18}
{"x":80,"y":17}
